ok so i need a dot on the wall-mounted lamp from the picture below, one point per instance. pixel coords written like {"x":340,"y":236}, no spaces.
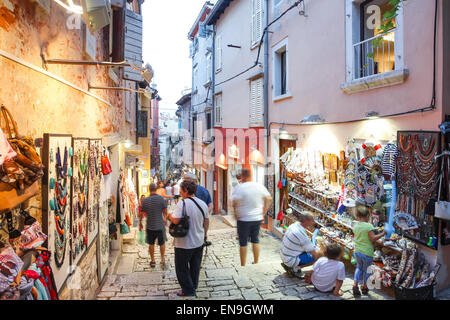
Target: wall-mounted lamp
{"x":312,"y":119}
{"x":371,"y":115}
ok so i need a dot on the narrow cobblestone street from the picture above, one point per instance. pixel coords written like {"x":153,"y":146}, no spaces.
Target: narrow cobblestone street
{"x":221,"y":277}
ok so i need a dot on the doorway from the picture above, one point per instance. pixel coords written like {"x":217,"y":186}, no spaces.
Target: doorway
{"x":284,"y":146}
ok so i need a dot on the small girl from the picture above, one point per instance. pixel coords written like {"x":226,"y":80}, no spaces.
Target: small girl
{"x":364,"y":247}
{"x":328,"y":272}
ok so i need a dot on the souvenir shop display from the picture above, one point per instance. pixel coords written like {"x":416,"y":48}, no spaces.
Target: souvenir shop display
{"x":80,"y":201}
{"x":103,"y":241}
{"x":95,"y":179}
{"x":418,"y":181}
{"x":57,"y":155}
{"x":127,"y":202}
{"x":22,"y":170}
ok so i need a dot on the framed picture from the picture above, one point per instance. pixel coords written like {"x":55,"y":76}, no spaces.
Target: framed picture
{"x":145,"y":174}
{"x":80,"y":207}
{"x":95,"y":180}
{"x":56,"y":203}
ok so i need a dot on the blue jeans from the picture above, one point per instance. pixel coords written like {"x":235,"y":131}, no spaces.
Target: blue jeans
{"x":187,"y":268}
{"x":363,"y":262}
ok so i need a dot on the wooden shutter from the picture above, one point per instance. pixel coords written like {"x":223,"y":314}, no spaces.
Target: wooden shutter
{"x":208,"y":67}
{"x":218,"y":109}
{"x":218,"y":52}
{"x":257,"y":19}
{"x":133,"y":44}
{"x":142,"y":124}
{"x":256,"y":102}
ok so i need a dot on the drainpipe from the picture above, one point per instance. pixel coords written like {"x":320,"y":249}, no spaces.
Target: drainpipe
{"x":266,"y":95}
{"x":213,"y":113}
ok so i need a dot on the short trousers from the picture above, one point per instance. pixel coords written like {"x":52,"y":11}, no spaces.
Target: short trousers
{"x":152,"y":235}
{"x":246,"y":230}
{"x":305,"y":258}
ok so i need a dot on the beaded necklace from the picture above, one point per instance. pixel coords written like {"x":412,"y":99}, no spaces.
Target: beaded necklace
{"x":61,"y":169}
{"x":402,"y":139}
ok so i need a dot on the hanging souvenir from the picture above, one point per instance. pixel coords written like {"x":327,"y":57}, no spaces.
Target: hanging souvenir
{"x":106,"y":165}
{"x":56,"y":192}
{"x":6,"y":151}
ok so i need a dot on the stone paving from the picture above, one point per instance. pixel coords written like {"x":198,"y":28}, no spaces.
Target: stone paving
{"x":221,"y":278}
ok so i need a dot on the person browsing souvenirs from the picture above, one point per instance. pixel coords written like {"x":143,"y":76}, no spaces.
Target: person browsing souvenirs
{"x":251,"y":201}
{"x":201,"y":193}
{"x":297,"y":249}
{"x":155,"y":207}
{"x":189,"y":249}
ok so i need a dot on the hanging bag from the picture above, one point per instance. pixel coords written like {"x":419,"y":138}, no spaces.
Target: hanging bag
{"x":106,"y":165}
{"x":181,"y":229}
{"x":442,"y":208}
{"x":26,"y":168}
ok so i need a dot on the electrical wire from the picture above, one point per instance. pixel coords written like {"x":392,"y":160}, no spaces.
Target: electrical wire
{"x":296,"y":4}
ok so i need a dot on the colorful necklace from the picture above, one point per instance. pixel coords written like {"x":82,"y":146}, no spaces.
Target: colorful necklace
{"x":402,"y":139}
{"x":61,"y":169}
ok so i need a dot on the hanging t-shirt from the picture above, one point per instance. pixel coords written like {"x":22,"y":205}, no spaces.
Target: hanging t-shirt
{"x":390,"y":154}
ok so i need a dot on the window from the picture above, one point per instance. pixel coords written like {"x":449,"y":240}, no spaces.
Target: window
{"x":218,"y":53}
{"x":208,"y":126}
{"x":257,"y":21}
{"x":208,"y":67}
{"x":280,"y":74}
{"x":369,"y":52}
{"x":256,"y":102}
{"x":218,"y":109}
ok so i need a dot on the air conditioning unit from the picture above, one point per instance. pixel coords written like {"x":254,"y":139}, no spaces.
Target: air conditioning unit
{"x":96,"y":13}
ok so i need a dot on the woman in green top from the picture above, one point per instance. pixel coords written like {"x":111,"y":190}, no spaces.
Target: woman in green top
{"x":364,"y":246}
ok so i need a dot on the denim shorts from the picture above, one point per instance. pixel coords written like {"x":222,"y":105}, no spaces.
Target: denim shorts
{"x":248,"y":230}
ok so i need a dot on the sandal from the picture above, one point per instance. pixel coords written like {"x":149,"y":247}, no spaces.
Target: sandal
{"x":365,"y":290}
{"x":152,"y":264}
{"x":356,"y":291}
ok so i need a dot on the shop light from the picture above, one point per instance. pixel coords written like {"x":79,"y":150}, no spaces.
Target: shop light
{"x":372,"y":115}
{"x":128,"y":143}
{"x":312,"y":119}
{"x":70,"y":6}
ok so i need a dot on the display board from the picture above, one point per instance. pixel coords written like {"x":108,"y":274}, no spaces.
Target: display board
{"x":56,"y":203}
{"x":417,"y":182}
{"x":80,"y":186}
{"x":95,"y":178}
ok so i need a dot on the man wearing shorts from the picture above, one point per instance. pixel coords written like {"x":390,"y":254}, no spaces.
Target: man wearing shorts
{"x":156,"y":209}
{"x":251,"y":201}
{"x":297,"y":249}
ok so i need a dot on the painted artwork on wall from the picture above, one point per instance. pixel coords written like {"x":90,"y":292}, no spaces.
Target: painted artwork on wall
{"x":95,"y":178}
{"x":56,"y":202}
{"x":80,"y":185}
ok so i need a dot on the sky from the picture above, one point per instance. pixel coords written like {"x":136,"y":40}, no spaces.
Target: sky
{"x":166,"y":24}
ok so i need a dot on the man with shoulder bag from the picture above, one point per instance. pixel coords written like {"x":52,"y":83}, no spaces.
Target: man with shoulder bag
{"x":189,"y":238}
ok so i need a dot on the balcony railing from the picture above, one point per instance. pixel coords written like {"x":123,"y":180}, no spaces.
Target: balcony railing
{"x":369,"y":59}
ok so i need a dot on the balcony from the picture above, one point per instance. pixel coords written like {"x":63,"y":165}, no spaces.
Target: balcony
{"x":370,"y":59}
{"x":374,"y":66}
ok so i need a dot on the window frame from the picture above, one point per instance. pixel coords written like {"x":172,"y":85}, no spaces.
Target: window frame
{"x":353,"y":32}
{"x":280,"y":47}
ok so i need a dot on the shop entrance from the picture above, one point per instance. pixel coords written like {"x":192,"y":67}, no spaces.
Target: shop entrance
{"x":284,"y":146}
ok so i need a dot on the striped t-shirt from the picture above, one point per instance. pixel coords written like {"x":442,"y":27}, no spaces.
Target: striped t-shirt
{"x":153,"y":206}
{"x":390,"y":154}
{"x":295,"y":242}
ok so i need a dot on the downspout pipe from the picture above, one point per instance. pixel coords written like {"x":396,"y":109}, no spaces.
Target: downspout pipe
{"x":266,"y":95}
{"x":213,"y":112}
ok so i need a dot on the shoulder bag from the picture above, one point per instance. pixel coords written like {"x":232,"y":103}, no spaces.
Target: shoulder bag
{"x":442,"y":208}
{"x":181,"y":229}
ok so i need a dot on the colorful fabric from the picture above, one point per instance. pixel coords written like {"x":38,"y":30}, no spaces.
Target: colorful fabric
{"x":6,"y":151}
{"x":10,"y":266}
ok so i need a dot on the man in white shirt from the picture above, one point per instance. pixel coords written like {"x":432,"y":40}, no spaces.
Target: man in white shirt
{"x":189,"y":249}
{"x":297,"y":248}
{"x":251,"y":201}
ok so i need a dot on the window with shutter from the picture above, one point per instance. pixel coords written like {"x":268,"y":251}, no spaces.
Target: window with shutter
{"x":256,"y":102}
{"x":218,"y":109}
{"x":208,"y":67}
{"x":257,"y":20}
{"x":218,"y":53}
